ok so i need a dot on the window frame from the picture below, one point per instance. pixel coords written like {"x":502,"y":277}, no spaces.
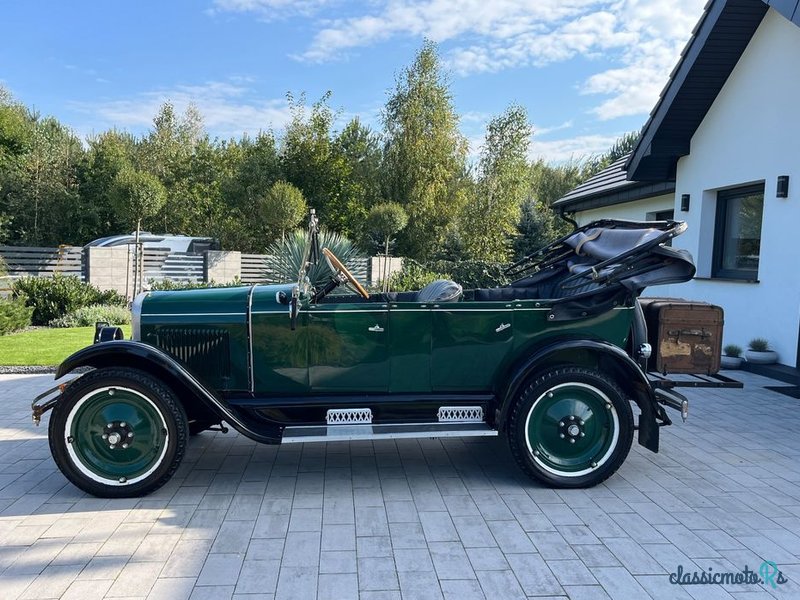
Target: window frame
{"x":723,"y":197}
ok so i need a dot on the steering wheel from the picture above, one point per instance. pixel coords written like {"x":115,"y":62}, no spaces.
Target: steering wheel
{"x":337,"y":267}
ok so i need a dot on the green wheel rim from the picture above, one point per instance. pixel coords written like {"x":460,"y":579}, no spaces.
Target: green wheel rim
{"x":116,"y":436}
{"x":572,"y":429}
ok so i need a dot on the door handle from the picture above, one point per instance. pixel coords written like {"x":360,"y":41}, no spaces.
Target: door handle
{"x":376,"y":329}
{"x":502,"y":327}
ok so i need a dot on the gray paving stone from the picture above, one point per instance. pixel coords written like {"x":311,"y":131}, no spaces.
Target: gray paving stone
{"x":220,"y":569}
{"x":340,"y":561}
{"x":377,"y":574}
{"x":487,"y":559}
{"x":533,"y":574}
{"x":173,"y":588}
{"x":334,"y":586}
{"x":450,"y":560}
{"x":462,"y":589}
{"x":501,"y":585}
{"x":425,"y":518}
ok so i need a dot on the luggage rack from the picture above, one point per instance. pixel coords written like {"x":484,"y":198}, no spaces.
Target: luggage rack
{"x":666,"y":394}
{"x":694,"y":380}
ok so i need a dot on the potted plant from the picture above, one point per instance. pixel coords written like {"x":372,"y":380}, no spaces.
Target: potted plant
{"x":759,"y":352}
{"x":732,"y":357}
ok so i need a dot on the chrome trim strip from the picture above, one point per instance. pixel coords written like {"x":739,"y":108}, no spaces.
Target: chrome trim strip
{"x":251,"y":378}
{"x":344,"y":433}
{"x":195,"y":314}
{"x":136,"y":315}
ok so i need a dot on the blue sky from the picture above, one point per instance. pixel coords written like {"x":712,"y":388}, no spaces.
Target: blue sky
{"x":586,"y":70}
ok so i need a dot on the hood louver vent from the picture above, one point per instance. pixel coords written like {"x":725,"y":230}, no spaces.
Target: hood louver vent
{"x":204,"y":351}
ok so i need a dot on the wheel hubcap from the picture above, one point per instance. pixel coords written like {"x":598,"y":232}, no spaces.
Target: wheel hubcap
{"x":116,"y":436}
{"x":572,"y":429}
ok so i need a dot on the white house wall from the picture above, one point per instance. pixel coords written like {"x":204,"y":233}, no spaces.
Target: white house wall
{"x":751,"y":134}
{"x":640,"y":210}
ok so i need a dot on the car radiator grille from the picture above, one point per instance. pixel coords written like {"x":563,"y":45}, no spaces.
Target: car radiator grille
{"x":204,"y":351}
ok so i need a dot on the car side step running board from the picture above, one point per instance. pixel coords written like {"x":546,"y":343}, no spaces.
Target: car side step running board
{"x":344,"y":433}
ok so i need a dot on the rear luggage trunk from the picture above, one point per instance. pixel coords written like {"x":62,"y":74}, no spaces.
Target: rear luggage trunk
{"x":686,"y":336}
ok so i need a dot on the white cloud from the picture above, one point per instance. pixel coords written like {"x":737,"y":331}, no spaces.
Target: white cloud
{"x":577,"y":147}
{"x":269,"y":9}
{"x":229,"y":108}
{"x":643,"y":37}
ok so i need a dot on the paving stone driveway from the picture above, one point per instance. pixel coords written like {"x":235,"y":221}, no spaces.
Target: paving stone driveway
{"x":411,"y":519}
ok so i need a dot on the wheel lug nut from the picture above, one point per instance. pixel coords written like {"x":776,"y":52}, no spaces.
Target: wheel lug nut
{"x":109,"y":425}
{"x":124,"y":445}
{"x":105,"y":436}
{"x":571,"y":440}
{"x":572,"y":417}
{"x":561,"y":423}
{"x":583,"y":434}
{"x":122,"y":424}
{"x":580,"y":422}
{"x":130,"y":434}
{"x":112,"y":446}
{"x":561,"y":435}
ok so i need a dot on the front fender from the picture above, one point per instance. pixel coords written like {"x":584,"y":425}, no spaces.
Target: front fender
{"x":601,"y":355}
{"x":128,"y":353}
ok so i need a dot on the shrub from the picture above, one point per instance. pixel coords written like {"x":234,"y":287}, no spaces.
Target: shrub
{"x":413,"y":276}
{"x":171,"y":285}
{"x":89,"y":315}
{"x":472,"y":273}
{"x":14,"y":315}
{"x":732,"y":350}
{"x":285,"y":257}
{"x":758,"y":345}
{"x":57,"y":296}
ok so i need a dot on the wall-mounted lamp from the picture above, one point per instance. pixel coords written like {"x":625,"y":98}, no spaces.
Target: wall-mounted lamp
{"x":783,"y":186}
{"x":684,"y":202}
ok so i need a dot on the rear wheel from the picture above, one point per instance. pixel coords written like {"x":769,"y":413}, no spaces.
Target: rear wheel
{"x":118,"y":433}
{"x":571,"y":427}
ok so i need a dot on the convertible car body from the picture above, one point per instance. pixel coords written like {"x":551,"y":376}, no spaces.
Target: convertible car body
{"x":556,"y":362}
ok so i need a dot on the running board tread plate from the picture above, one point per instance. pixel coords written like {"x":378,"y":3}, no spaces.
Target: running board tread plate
{"x":343,"y":433}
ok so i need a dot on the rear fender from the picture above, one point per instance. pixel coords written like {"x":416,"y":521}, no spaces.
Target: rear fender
{"x":195,"y":397}
{"x":602,"y":356}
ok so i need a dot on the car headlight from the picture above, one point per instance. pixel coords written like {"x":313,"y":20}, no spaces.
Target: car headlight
{"x":136,"y":316}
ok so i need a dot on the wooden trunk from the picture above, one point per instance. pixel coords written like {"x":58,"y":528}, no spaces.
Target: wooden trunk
{"x":686,"y":336}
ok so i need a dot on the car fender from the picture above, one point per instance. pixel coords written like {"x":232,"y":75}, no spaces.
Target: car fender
{"x":137,"y":355}
{"x":600,"y":354}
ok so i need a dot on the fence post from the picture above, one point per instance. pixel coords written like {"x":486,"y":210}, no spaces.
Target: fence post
{"x":108,"y":268}
{"x":221,"y":266}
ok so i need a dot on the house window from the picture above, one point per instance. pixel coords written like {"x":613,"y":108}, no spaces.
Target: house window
{"x":737,"y":237}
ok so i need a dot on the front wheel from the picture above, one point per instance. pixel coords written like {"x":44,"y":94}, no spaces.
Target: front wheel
{"x":571,"y":428}
{"x":118,"y":433}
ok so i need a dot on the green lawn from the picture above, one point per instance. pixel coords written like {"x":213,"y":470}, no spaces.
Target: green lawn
{"x":45,"y":346}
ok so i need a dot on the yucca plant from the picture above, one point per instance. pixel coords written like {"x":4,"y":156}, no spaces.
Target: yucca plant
{"x":285,"y":257}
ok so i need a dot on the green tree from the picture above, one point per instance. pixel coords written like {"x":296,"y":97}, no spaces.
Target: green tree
{"x":384,"y":221}
{"x":490,"y":219}
{"x":281,"y":209}
{"x":137,"y":196}
{"x":424,"y":154}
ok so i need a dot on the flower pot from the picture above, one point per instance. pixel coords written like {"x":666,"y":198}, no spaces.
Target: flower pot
{"x":731,"y":362}
{"x":761,"y":358}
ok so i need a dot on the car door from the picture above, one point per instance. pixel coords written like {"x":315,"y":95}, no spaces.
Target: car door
{"x":470,"y":341}
{"x":409,"y":347}
{"x":347,"y":347}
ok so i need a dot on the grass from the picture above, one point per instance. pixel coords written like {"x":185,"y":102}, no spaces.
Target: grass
{"x":45,"y":346}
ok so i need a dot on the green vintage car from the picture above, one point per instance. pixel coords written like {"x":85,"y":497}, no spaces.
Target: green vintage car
{"x":555,"y":361}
